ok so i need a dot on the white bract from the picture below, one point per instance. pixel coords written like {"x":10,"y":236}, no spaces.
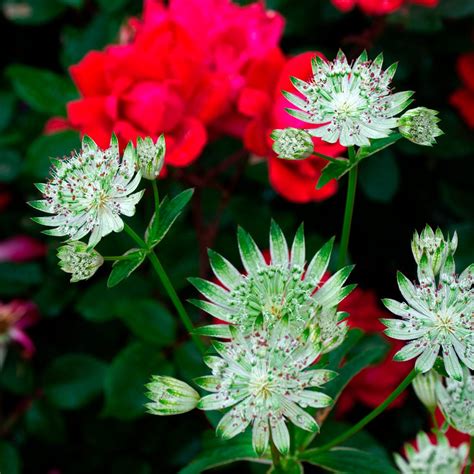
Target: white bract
{"x":432,"y":458}
{"x":437,"y":317}
{"x":292,"y":143}
{"x":424,"y":386}
{"x":151,"y":156}
{"x":456,"y":400}
{"x":352,"y":103}
{"x":283,"y":288}
{"x":76,"y":258}
{"x":89,"y":191}
{"x":262,"y":375}
{"x":420,"y":126}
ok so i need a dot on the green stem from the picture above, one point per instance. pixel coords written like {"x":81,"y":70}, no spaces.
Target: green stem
{"x":373,"y":414}
{"x":168,"y":286}
{"x":349,"y":209}
{"x":276,"y":458}
{"x":115,"y":257}
{"x":156,"y":197}
{"x":470,"y":460}
{"x":328,"y":158}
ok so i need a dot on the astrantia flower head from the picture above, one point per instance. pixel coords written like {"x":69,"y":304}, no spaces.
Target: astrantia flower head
{"x":424,"y":386}
{"x":151,"y":156}
{"x":89,"y":191}
{"x":76,"y":258}
{"x":439,"y":458}
{"x":292,"y":143}
{"x":170,"y":396}
{"x":434,"y":245}
{"x":437,"y":317}
{"x":283,"y":288}
{"x":420,"y":126}
{"x":456,"y":400}
{"x":353,"y":103}
{"x":262,"y":375}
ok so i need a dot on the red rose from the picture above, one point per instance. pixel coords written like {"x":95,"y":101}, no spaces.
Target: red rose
{"x":379,"y":7}
{"x":463,"y":99}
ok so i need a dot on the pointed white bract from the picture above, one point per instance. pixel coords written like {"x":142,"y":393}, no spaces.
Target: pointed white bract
{"x":151,"y":156}
{"x":456,"y":400}
{"x":420,"y":126}
{"x":437,"y":317}
{"x":283,"y":288}
{"x":77,"y":259}
{"x":353,"y":103}
{"x":432,"y":458}
{"x":170,"y":396}
{"x":89,"y":191}
{"x":262,"y":377}
{"x":424,"y":386}
{"x":292,"y":143}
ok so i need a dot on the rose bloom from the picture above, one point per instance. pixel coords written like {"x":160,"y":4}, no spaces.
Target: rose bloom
{"x":380,"y":7}
{"x":262,"y":102}
{"x":21,"y":248}
{"x":463,"y":98}
{"x":179,"y":73}
{"x":373,"y":384}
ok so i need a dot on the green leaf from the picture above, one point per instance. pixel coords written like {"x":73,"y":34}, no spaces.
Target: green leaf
{"x":10,"y":165}
{"x":376,"y":145}
{"x":124,"y":268}
{"x":169,"y":212}
{"x":348,"y":460}
{"x":16,"y":374}
{"x":45,"y":422}
{"x":7,"y":105}
{"x":125,"y":381}
{"x":114,"y":6}
{"x":333,"y":170}
{"x":33,"y":12}
{"x":73,"y":380}
{"x":188,"y":361}
{"x":455,"y":8}
{"x":379,"y":177}
{"x":45,"y":147}
{"x":10,"y":462}
{"x":150,"y":321}
{"x":18,"y":277}
{"x":44,"y":91}
{"x":220,"y":453}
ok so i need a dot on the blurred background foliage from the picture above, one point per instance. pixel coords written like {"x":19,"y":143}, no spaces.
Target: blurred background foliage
{"x":77,"y":405}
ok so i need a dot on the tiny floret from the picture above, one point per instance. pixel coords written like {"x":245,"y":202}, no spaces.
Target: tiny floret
{"x":435,"y":458}
{"x":420,"y":126}
{"x":89,"y":191}
{"x":77,"y":259}
{"x":456,"y":400}
{"x":425,"y":389}
{"x":170,"y":396}
{"x":151,"y":156}
{"x":292,"y":143}
{"x":262,"y":377}
{"x":352,"y":103}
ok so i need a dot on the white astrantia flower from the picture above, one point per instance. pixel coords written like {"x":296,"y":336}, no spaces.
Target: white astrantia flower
{"x":284,"y":287}
{"x":456,"y":400}
{"x":292,"y":143}
{"x":420,"y":126}
{"x":151,"y":156}
{"x":424,"y":386}
{"x":434,"y":245}
{"x":432,"y":458}
{"x":262,"y":376}
{"x":170,"y":396}
{"x":76,"y":258}
{"x":89,"y":191}
{"x":437,"y":317}
{"x":353,"y":103}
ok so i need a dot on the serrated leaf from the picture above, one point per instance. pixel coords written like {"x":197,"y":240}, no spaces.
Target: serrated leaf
{"x":333,"y":170}
{"x":73,"y":380}
{"x":169,"y":212}
{"x":124,"y":268}
{"x":376,"y":145}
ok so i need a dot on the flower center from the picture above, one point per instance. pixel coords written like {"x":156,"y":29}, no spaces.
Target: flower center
{"x":260,"y":386}
{"x":444,"y":322}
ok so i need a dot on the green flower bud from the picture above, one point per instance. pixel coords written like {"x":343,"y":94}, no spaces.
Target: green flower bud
{"x":151,"y":156}
{"x":425,"y":388}
{"x":420,"y":126}
{"x":292,"y":143}
{"x":170,"y":396}
{"x":77,"y":259}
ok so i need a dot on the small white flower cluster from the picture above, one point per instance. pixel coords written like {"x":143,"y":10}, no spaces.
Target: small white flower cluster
{"x":282,"y":315}
{"x":420,"y":126}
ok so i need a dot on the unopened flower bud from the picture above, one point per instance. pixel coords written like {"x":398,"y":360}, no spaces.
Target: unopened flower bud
{"x":292,"y":143}
{"x":151,"y":156}
{"x":170,"y":396}
{"x":425,"y":388}
{"x":77,"y":259}
{"x":420,"y":126}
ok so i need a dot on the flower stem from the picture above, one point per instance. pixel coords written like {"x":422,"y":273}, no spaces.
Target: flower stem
{"x":470,"y":459}
{"x":168,"y":286}
{"x":373,"y":414}
{"x":156,"y":197}
{"x":276,"y":458}
{"x":346,"y":228}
